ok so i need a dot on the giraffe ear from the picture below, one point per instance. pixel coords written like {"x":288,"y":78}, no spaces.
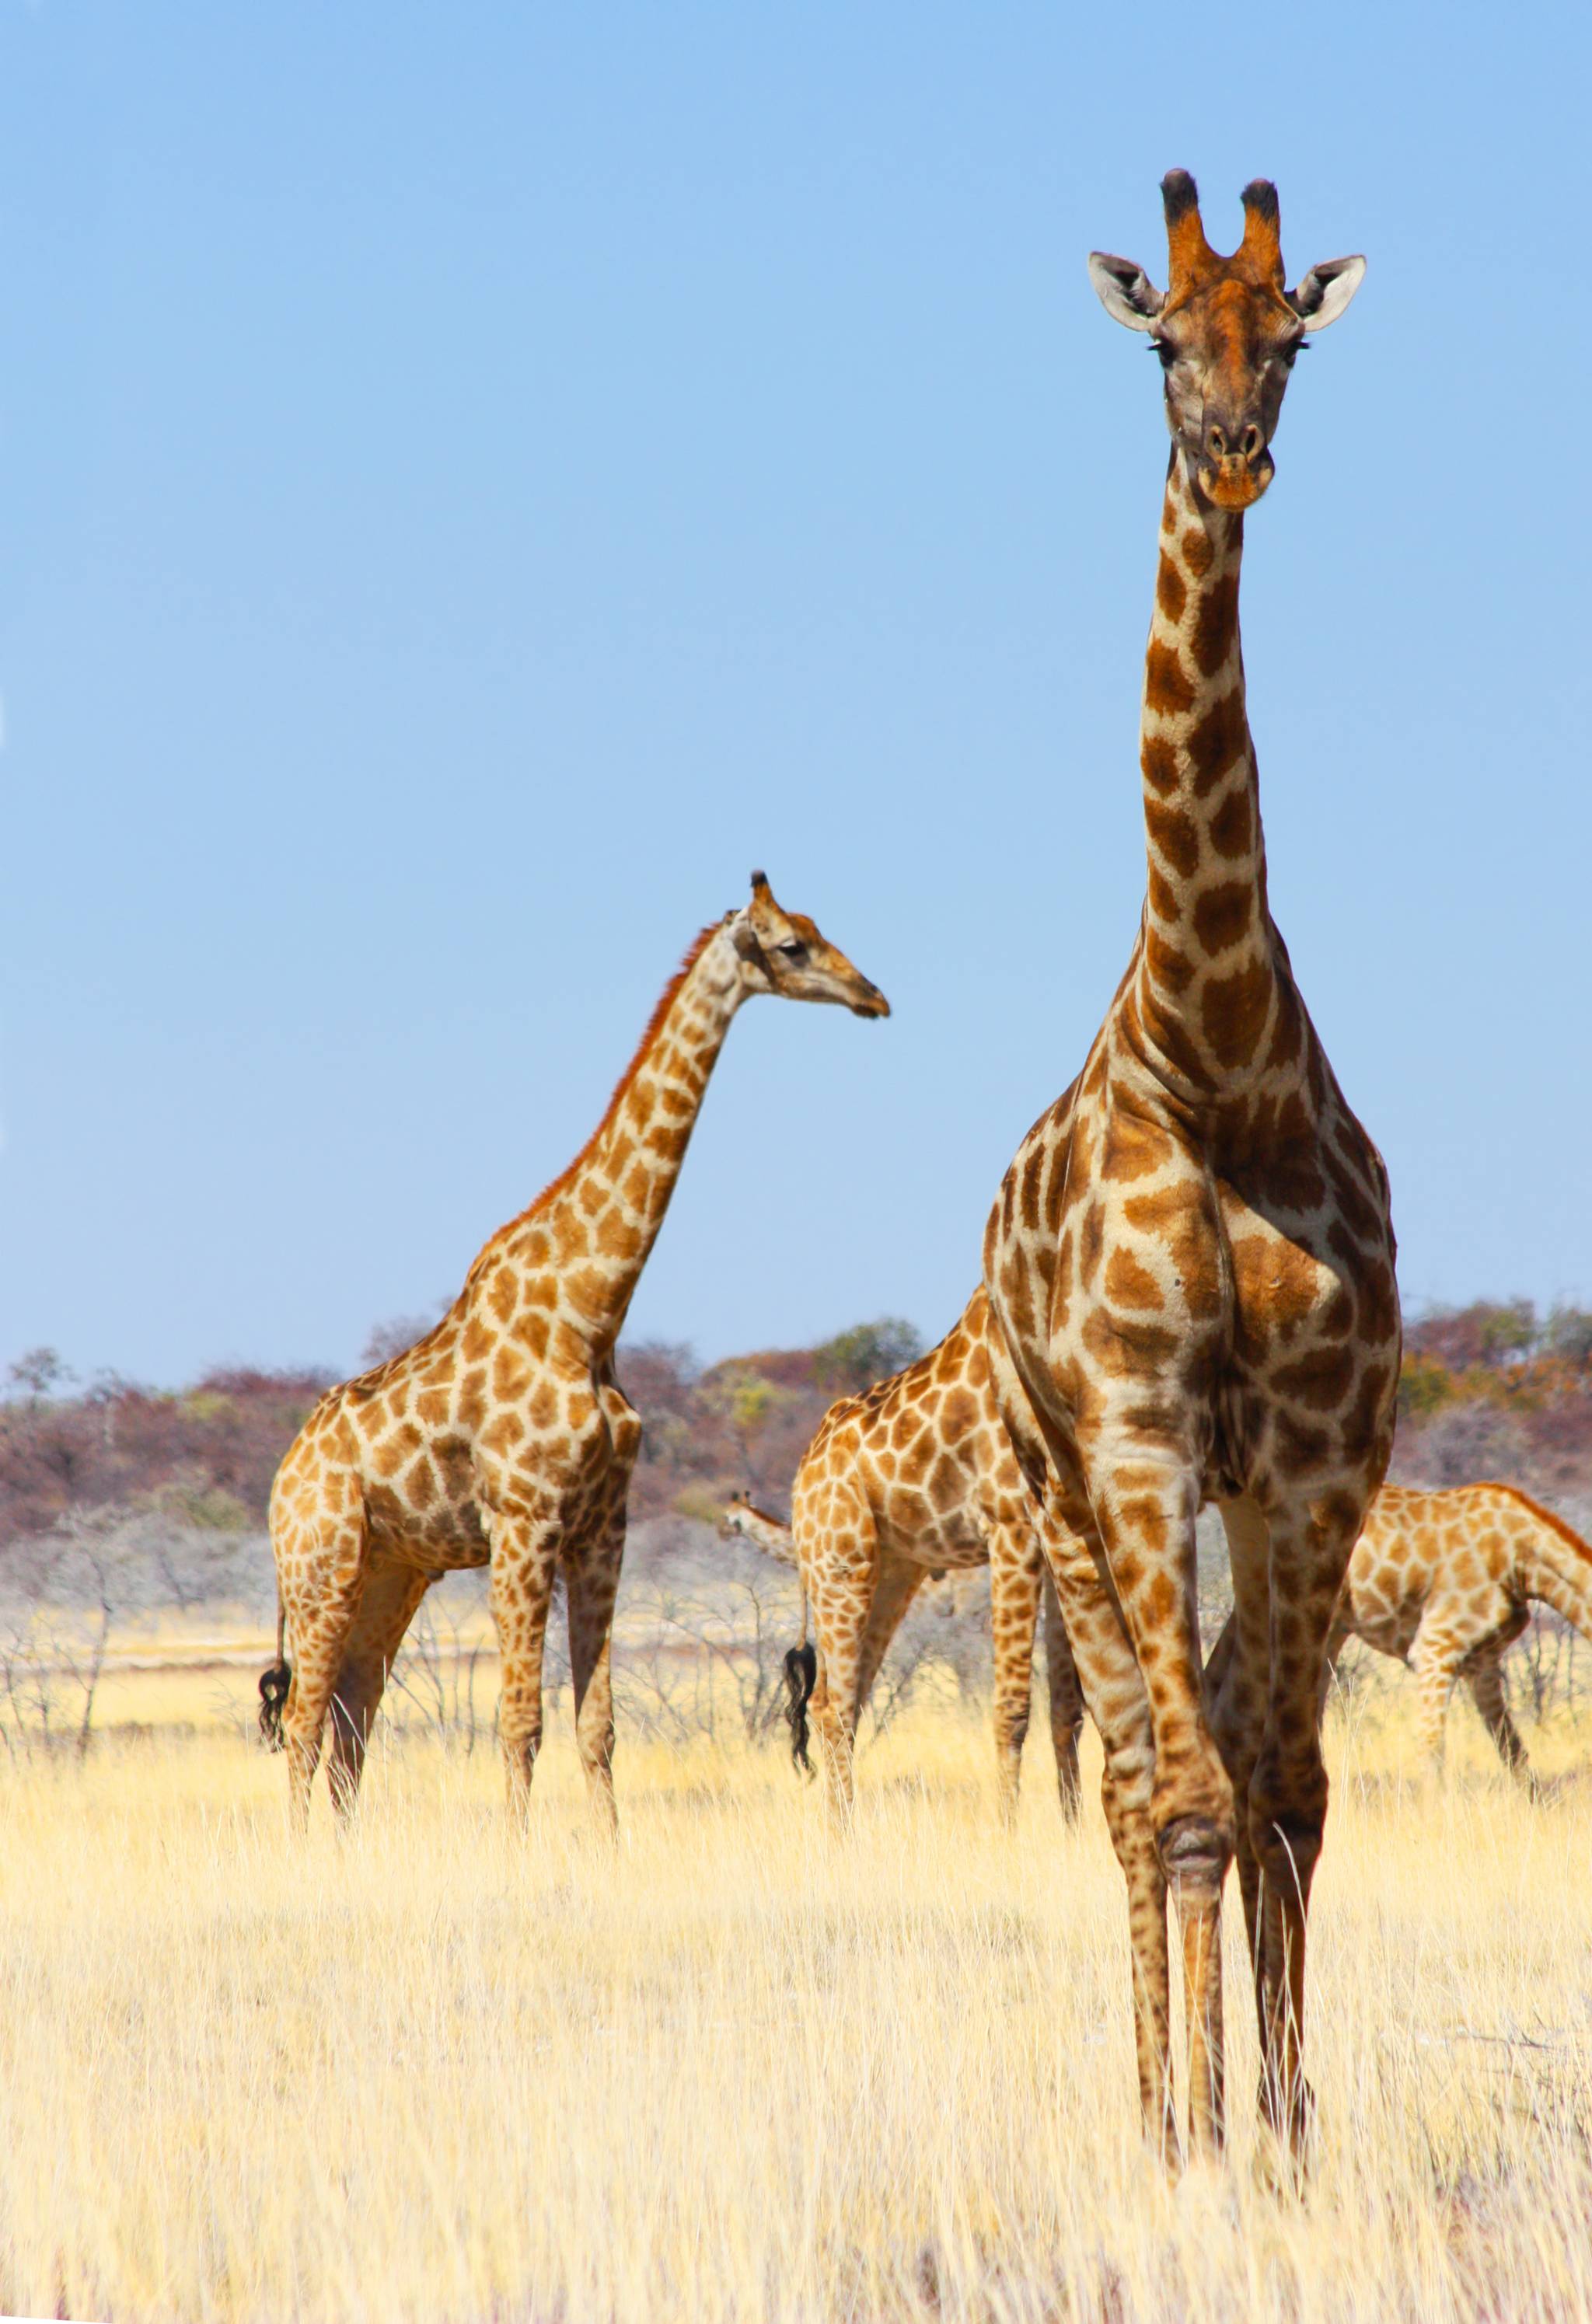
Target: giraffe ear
{"x":1125,"y":291}
{"x":1325,"y":291}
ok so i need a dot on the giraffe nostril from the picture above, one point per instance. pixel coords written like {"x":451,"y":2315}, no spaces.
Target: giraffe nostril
{"x":1218,"y":442}
{"x":1252,"y":442}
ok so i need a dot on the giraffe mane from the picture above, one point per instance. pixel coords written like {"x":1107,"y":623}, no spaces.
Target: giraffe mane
{"x":1567,"y":1533}
{"x":767,"y":1516}
{"x":654,"y":1025}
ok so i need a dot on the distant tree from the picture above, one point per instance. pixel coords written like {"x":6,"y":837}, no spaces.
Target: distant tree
{"x":1494,"y":1332}
{"x":398,"y":1334}
{"x":39,"y":1373}
{"x":853,"y":1360}
{"x":1568,"y":1334}
{"x":1425,"y":1385}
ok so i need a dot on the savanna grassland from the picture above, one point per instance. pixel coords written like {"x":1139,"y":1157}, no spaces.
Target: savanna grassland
{"x":740,"y":2069}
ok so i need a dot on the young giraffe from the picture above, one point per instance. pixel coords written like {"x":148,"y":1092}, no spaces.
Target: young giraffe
{"x":1443,"y":1582}
{"x":912,"y":1479}
{"x":503,"y":1438}
{"x":1191,"y":1261}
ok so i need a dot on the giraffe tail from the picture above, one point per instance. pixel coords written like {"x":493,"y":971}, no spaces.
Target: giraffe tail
{"x":274,"y":1683}
{"x":801,"y":1678}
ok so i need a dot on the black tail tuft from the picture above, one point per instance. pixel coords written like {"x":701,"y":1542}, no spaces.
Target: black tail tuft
{"x":801,"y":1678}
{"x":273,"y":1693}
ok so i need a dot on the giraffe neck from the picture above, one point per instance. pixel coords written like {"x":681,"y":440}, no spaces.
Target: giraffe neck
{"x":768,"y":1532}
{"x":604,"y":1215}
{"x":1207,"y":975}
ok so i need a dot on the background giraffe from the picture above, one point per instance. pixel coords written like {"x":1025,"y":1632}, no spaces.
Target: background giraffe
{"x":912,"y":1479}
{"x":1444,"y":1582}
{"x":1191,"y":1261}
{"x":502,"y":1438}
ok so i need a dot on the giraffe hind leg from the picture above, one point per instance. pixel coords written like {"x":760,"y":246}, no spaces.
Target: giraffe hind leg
{"x":322,"y":1592}
{"x":1066,"y":1700}
{"x":591,"y":1580}
{"x":1015,"y":1566}
{"x":842,"y":1570}
{"x":1485,"y":1677}
{"x":392,"y":1593}
{"x":897,"y":1584}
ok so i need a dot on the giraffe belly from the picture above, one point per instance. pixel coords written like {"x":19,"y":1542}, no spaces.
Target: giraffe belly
{"x":1386,"y":1623}
{"x":446,"y":1534}
{"x":948,"y":1547}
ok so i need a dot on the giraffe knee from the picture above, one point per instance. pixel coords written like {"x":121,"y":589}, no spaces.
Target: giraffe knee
{"x":1194,"y":1851}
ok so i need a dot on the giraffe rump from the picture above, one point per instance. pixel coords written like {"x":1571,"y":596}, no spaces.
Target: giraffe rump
{"x":801,"y":1678}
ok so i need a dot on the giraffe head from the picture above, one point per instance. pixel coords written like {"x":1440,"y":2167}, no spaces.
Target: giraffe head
{"x":783,"y":953}
{"x":734,"y":1518}
{"x":1226,"y":332}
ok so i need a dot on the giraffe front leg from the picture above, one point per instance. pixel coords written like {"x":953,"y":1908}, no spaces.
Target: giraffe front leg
{"x":1145,"y":1502}
{"x":1114,"y":1689}
{"x":525,"y":1559}
{"x":1066,"y":1703}
{"x":1237,"y":1687}
{"x":1310,"y":1547}
{"x":591,"y":1578}
{"x":1016,"y":1565}
{"x":1435,"y":1659}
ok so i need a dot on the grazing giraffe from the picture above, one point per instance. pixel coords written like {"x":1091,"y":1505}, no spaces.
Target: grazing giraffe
{"x":502,"y":1438}
{"x":1190,"y":1260}
{"x":916,"y":1478}
{"x":1444,"y":1582}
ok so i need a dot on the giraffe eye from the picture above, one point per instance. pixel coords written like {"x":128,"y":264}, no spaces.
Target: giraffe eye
{"x":794,"y":950}
{"x":1165,"y":350}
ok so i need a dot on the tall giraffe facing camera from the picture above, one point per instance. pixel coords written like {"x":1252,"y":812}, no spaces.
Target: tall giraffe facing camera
{"x":1191,"y":1261}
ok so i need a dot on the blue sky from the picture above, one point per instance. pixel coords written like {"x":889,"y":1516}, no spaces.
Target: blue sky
{"x":475,"y":482}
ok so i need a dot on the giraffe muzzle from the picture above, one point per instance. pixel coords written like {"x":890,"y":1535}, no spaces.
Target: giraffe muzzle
{"x":1235,"y":465}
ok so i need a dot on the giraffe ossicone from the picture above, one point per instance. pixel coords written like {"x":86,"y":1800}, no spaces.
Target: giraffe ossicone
{"x":502,"y":1438}
{"x":1191,"y":1261}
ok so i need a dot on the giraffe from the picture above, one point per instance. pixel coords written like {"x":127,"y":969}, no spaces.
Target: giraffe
{"x":502,"y":1438}
{"x":1443,"y":1582}
{"x":916,"y":1479}
{"x":742,"y":1519}
{"x":1190,"y":1260}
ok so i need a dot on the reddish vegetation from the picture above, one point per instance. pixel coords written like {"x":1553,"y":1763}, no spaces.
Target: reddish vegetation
{"x":1496,"y":1390}
{"x":208,"y":1453}
{"x":1492,"y":1389}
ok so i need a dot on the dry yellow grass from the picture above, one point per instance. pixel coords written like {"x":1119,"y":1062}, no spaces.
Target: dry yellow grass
{"x":742,"y":2071}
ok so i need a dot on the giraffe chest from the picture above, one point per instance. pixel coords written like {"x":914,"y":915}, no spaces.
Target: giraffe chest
{"x":1239,"y":1301}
